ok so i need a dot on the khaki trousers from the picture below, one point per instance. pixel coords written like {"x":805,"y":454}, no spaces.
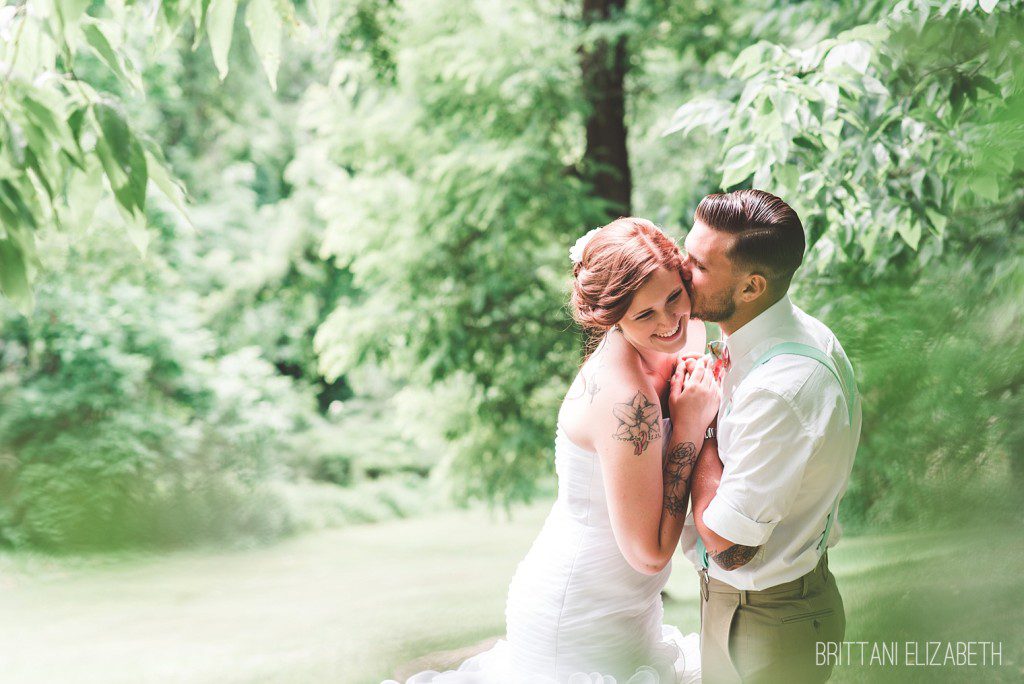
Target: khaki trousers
{"x":770,"y":635}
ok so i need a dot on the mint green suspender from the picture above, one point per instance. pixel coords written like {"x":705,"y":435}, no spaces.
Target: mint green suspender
{"x":844,"y":376}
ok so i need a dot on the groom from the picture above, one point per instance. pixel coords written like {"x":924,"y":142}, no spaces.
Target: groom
{"x":766,"y":496}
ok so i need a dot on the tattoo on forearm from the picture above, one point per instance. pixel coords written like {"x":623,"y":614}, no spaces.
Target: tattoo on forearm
{"x":639,"y":422}
{"x":675,"y":504}
{"x":735,"y":556}
{"x":679,"y":463}
{"x":677,"y":471}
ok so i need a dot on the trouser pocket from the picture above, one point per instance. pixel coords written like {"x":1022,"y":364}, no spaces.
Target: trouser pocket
{"x":826,"y":612}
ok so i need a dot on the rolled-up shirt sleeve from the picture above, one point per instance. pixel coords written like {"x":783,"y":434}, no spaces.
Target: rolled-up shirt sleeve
{"x":768,"y":451}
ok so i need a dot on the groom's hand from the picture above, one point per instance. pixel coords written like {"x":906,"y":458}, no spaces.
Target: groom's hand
{"x":687,"y":361}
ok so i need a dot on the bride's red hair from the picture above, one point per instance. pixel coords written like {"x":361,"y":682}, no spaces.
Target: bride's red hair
{"x":616,"y":263}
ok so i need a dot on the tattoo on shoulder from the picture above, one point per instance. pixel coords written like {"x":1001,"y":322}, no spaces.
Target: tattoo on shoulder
{"x":578,"y":388}
{"x":639,"y":422}
{"x":600,"y":361}
{"x":583,"y":386}
{"x":735,"y":556}
{"x":593,"y":388}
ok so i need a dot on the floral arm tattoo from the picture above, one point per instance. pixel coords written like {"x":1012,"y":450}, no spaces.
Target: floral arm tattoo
{"x":735,"y":556}
{"x":639,"y":422}
{"x":677,"y":471}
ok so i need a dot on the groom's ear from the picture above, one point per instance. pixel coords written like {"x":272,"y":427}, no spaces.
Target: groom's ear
{"x":754,"y":286}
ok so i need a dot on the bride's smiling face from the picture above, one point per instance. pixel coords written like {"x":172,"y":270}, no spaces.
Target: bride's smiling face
{"x":657,"y":317}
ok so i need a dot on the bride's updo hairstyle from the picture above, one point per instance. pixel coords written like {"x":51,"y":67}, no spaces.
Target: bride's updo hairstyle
{"x":616,"y":262}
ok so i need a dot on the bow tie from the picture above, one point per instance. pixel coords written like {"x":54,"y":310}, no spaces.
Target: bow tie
{"x":720,"y":351}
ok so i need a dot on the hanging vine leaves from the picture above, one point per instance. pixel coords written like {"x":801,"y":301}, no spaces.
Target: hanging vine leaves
{"x":56,"y":125}
{"x":888,"y":138}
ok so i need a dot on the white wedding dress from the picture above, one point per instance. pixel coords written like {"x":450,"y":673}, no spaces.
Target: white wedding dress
{"x":577,"y":612}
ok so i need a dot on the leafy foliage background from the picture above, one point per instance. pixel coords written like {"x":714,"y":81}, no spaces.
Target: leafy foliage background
{"x":357,"y":309}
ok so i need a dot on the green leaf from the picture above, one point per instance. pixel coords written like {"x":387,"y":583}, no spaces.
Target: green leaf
{"x":750,"y":60}
{"x":985,"y":186}
{"x":135,"y":226}
{"x":138,"y":175}
{"x":111,"y":168}
{"x":867,"y":236}
{"x":910,"y":231}
{"x":264,"y":24}
{"x":17,"y":248}
{"x":160,"y":175}
{"x":118,"y":145}
{"x":762,"y":176}
{"x":84,"y":191}
{"x":14,"y":142}
{"x":39,"y":151}
{"x":69,"y":12}
{"x":40,"y":173}
{"x":75,"y":121}
{"x":198,"y":9}
{"x":322,"y":10}
{"x":100,"y":44}
{"x":115,"y":130}
{"x":855,"y":55}
{"x":115,"y":133}
{"x":749,"y":94}
{"x":14,"y":277}
{"x":874,"y":33}
{"x":46,"y":119}
{"x":713,"y":113}
{"x":830,"y":134}
{"x":988,"y":84}
{"x":804,"y":142}
{"x":740,"y":162}
{"x":220,"y":23}
{"x":786,"y":177}
{"x":957,"y":96}
{"x":938,"y":220}
{"x":13,"y":199}
{"x":786,"y":104}
{"x":805,"y":91}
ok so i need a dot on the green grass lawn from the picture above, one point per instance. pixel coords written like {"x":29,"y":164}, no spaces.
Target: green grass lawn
{"x":351,"y":605}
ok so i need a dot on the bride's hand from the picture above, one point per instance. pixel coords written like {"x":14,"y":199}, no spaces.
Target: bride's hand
{"x":694,"y":395}
{"x":688,"y":361}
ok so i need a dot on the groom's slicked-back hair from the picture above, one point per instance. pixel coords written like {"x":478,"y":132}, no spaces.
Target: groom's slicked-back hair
{"x":769,"y":235}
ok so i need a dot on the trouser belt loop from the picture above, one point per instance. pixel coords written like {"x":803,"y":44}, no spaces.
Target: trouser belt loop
{"x":743,"y":597}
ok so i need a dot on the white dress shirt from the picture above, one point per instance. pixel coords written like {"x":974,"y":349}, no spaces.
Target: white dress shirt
{"x":787,"y":446}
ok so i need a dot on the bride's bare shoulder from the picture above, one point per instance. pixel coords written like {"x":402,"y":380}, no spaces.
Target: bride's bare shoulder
{"x":612,"y":374}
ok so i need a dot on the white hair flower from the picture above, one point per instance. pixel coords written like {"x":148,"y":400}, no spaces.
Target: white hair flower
{"x":576,"y":252}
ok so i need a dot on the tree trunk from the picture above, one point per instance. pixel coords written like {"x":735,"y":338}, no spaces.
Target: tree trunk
{"x":603,"y":66}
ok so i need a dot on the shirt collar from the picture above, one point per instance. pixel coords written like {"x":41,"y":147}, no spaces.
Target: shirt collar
{"x":743,"y":341}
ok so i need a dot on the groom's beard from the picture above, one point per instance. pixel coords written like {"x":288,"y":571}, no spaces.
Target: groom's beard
{"x":715,"y":309}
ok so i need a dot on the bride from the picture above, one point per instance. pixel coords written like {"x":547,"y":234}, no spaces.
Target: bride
{"x":585,"y":603}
